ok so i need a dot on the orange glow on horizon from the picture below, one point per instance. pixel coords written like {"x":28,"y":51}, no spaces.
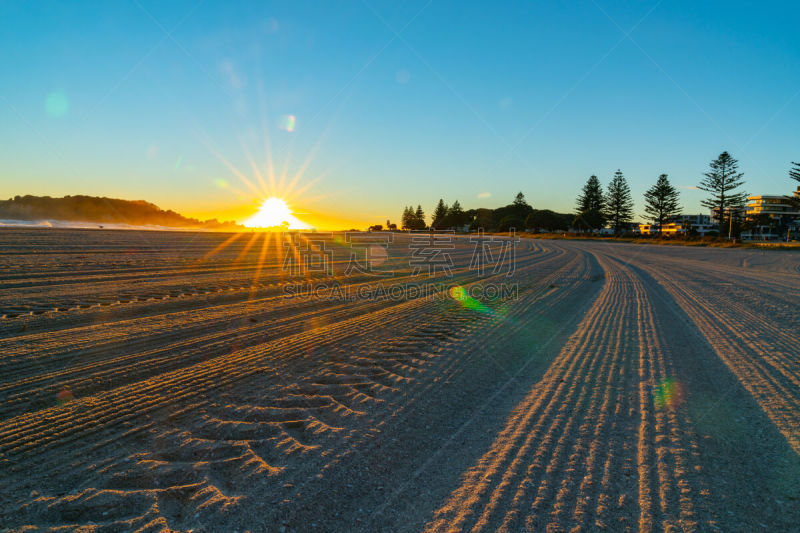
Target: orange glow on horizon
{"x":265,"y":197}
{"x":327,"y":221}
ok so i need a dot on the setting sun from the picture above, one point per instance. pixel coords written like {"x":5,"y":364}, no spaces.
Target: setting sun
{"x":275,"y":212}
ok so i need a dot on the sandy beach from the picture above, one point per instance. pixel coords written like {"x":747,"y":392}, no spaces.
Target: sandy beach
{"x":186,"y":382}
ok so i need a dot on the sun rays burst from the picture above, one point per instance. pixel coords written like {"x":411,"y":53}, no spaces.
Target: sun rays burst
{"x":275,"y":213}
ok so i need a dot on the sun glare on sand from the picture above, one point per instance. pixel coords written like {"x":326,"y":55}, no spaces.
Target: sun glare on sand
{"x":275,"y":213}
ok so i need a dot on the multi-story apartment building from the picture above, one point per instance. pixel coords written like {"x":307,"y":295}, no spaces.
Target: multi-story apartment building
{"x":774,"y":215}
{"x":779,"y":208}
{"x":696,"y":224}
{"x":680,"y":225}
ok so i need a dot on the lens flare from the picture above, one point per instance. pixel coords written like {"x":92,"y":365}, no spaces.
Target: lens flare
{"x":56,"y":104}
{"x":668,"y":394}
{"x":377,"y":255}
{"x":288,"y":123}
{"x":271,"y":25}
{"x":64,"y":396}
{"x":152,"y":152}
{"x":461,"y":295}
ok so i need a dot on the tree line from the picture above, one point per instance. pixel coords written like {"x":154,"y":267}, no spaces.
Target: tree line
{"x":597,"y":208}
{"x":614,"y":208}
{"x":518,"y":214}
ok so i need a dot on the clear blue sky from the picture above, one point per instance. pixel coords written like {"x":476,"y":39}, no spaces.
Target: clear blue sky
{"x":394,"y":103}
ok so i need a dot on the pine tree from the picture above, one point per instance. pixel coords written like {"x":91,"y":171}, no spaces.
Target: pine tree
{"x":619,"y":202}
{"x":438,"y":214}
{"x":590,"y":206}
{"x":721,"y":181}
{"x":661,"y":202}
{"x":419,"y":218}
{"x":407,"y":218}
{"x":519,"y":200}
{"x":455,"y":216}
{"x":589,"y":220}
{"x":794,"y":173}
{"x":591,"y":197}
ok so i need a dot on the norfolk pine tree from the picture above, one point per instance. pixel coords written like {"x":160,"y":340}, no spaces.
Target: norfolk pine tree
{"x":794,"y":173}
{"x":661,"y":202}
{"x":619,"y":202}
{"x":591,"y":197}
{"x":519,"y":200}
{"x":590,"y":205}
{"x":721,"y":181}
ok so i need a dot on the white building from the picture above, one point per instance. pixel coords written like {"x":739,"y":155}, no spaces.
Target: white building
{"x":699,"y":224}
{"x":680,"y":225}
{"x":777,"y":213}
{"x":778,"y":208}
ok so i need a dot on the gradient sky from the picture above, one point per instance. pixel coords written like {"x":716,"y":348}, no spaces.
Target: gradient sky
{"x":395,"y":103}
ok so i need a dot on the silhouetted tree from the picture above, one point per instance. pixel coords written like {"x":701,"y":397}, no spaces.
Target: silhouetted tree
{"x":591,"y":197}
{"x":794,"y":173}
{"x":589,"y":220}
{"x":519,"y":200}
{"x":547,"y":220}
{"x":619,"y":202}
{"x":438,"y":214}
{"x":419,"y":218}
{"x":590,"y":206}
{"x":469,"y":215}
{"x":455,"y":217}
{"x":483,"y":219}
{"x":723,"y":178}
{"x":407,"y":220}
{"x":509,"y":222}
{"x":661,"y":202}
{"x":518,"y":210}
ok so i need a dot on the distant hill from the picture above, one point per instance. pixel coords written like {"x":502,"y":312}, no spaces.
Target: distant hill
{"x":101,"y":210}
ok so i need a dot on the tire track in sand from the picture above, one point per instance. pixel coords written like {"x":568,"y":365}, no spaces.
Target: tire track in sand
{"x":762,"y":356}
{"x":586,"y":448}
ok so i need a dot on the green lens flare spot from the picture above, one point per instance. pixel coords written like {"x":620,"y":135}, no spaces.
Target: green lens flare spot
{"x":57,"y":104}
{"x":667,"y":394}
